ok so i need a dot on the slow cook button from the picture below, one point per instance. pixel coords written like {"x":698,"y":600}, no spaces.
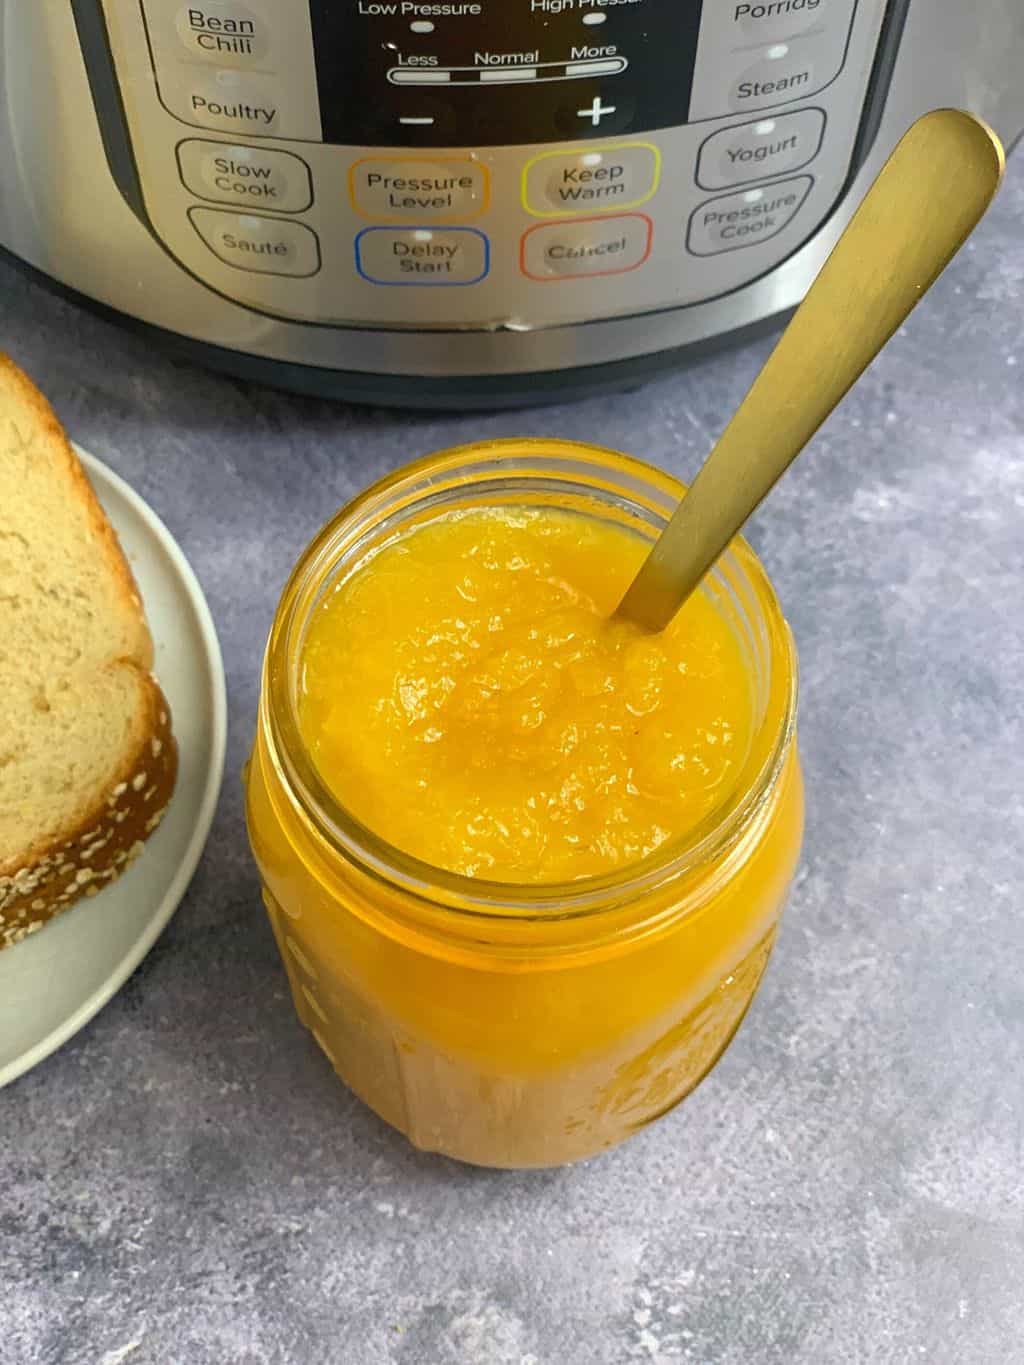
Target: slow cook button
{"x":588,"y":246}
{"x":270,"y":246}
{"x":754,"y":151}
{"x":597,"y":179}
{"x":257,"y":176}
{"x":424,"y":256}
{"x":421,"y":189}
{"x":222,"y":33}
{"x":746,"y":218}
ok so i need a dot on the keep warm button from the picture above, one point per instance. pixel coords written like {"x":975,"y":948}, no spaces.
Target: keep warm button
{"x":586,"y":246}
{"x":745,"y":218}
{"x":430,"y":256}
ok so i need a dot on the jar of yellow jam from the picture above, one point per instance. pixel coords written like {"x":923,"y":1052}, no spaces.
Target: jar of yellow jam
{"x":524,"y":864}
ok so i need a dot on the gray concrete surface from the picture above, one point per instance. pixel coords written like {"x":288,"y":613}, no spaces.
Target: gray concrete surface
{"x":186,"y":1182}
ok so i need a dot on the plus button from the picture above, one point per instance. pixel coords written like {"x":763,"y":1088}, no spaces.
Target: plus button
{"x":596,"y":112}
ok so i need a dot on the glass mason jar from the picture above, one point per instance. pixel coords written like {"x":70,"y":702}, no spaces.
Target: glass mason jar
{"x":508,"y":1025}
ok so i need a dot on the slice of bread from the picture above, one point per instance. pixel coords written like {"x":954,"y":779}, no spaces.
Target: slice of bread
{"x":87,"y":758}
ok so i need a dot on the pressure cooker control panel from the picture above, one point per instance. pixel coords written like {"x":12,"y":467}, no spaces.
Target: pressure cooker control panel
{"x":488,"y":163}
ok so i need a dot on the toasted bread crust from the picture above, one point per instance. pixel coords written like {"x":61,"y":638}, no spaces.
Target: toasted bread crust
{"x":109,"y":830}
{"x":107,"y":840}
{"x":49,"y":429}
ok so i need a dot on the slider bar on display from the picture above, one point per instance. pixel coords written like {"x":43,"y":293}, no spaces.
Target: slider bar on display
{"x":506,"y":75}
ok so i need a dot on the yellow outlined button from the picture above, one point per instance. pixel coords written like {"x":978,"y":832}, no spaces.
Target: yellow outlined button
{"x":411,"y":189}
{"x":603,"y":178}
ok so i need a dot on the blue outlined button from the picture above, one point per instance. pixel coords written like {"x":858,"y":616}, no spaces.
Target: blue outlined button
{"x":422,"y":255}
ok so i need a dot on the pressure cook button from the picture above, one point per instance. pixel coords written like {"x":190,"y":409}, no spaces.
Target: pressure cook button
{"x":255,"y":176}
{"x":422,"y":256}
{"x":746,"y":218}
{"x":588,"y":246}
{"x":229,"y":101}
{"x":421,"y":189}
{"x":783,"y":72}
{"x":270,"y":246}
{"x":754,"y":151}
{"x":598,"y":180}
{"x":223,"y":33}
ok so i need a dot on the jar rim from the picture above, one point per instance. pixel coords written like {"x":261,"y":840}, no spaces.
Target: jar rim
{"x":496,"y":462}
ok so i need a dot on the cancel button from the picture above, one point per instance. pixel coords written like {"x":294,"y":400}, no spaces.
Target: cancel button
{"x":603,"y":246}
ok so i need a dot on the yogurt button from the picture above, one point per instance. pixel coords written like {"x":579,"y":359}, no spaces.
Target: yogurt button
{"x":768,"y":146}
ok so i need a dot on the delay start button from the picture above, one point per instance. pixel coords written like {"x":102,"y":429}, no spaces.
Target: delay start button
{"x":259,"y":177}
{"x":586,"y":247}
{"x":268,"y":246}
{"x":746,"y":218}
{"x":422,"y":255}
{"x":599,"y":179}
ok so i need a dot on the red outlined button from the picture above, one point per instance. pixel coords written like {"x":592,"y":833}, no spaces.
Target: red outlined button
{"x":586,"y":247}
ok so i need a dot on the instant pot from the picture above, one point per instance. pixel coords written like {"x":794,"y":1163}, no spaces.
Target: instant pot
{"x":470,"y":202}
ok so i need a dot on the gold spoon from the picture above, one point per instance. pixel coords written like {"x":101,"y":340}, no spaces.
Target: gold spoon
{"x":926,"y":201}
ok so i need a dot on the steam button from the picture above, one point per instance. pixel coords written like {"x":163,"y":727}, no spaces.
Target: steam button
{"x":783,"y":72}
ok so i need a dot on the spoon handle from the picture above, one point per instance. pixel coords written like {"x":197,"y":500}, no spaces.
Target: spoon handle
{"x":915,"y":217}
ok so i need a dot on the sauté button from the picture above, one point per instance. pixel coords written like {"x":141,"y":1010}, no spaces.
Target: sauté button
{"x":422,"y":255}
{"x":745,"y":218}
{"x":421,"y":189}
{"x":768,"y":146}
{"x":259,"y":177}
{"x":269,"y":246}
{"x":588,"y":246}
{"x":600,"y":179}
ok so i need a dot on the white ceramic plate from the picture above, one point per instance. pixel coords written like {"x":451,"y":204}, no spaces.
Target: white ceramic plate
{"x":52,"y":983}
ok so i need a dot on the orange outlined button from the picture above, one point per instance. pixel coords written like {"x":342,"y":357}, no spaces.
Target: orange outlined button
{"x":586,"y":247}
{"x":419,"y":189}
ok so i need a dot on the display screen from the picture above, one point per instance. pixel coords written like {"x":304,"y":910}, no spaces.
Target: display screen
{"x":490,"y":72}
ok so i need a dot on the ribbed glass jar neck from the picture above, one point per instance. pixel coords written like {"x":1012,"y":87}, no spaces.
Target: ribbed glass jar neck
{"x":571,"y":476}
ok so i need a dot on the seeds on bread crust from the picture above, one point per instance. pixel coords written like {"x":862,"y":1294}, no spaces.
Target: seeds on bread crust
{"x":108,"y":841}
{"x":88,"y":761}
